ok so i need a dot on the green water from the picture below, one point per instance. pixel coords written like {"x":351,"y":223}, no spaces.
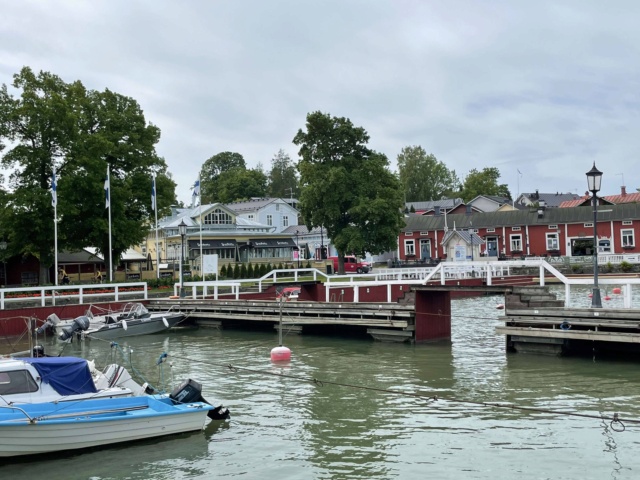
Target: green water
{"x":289,"y":428}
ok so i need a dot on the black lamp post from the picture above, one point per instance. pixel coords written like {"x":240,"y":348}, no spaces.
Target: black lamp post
{"x":298,"y":247}
{"x":182,"y":228}
{"x":594,"y":179}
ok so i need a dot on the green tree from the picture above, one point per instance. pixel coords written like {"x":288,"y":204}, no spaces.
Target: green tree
{"x":283,"y":178}
{"x":78,"y":132}
{"x":423,"y":176}
{"x":347,"y":187}
{"x":238,"y":184}
{"x":211,"y":171}
{"x":484,"y":182}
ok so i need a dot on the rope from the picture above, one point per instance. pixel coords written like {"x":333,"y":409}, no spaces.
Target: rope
{"x":617,"y":423}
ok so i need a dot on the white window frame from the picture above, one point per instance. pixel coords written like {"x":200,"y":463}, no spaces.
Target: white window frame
{"x":628,"y":237}
{"x":627,"y":222}
{"x":553,"y":227}
{"x":424,"y":234}
{"x":285,"y":220}
{"x":588,"y":225}
{"x":491,"y":230}
{"x":408,"y":234}
{"x":270,"y":220}
{"x":553,"y":241}
{"x":515,"y":243}
{"x":251,"y":216}
{"x":409,"y":248}
{"x":516,"y":229}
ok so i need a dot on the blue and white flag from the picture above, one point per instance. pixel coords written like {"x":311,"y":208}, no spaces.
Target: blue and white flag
{"x":54,"y":189}
{"x":153,"y":193}
{"x":196,"y":188}
{"x":107,"y":185}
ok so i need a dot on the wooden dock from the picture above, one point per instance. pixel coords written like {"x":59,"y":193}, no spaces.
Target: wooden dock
{"x":383,"y":321}
{"x":535,"y":322}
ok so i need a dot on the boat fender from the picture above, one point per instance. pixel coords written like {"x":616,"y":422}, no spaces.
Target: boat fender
{"x":565,"y":325}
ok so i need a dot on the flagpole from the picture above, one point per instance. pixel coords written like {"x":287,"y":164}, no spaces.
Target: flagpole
{"x":54,"y":193}
{"x":201,"y":257}
{"x":109,"y":207}
{"x":155,"y":208}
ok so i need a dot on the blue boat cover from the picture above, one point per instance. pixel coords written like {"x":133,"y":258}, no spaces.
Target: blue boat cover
{"x":67,"y":375}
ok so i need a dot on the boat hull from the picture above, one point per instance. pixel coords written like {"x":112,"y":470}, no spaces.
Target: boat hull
{"x":89,"y":424}
{"x":140,"y":326}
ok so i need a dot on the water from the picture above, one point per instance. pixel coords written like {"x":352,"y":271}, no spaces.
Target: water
{"x":293,"y":428}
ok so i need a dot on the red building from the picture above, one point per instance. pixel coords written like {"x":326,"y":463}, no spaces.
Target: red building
{"x":530,"y":232}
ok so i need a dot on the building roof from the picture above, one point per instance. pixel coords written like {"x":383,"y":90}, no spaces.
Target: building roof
{"x":466,"y":236}
{"x":255,"y":204}
{"x":613,"y":199}
{"x":550,"y":199}
{"x":550,"y":216}
{"x":445,"y":203}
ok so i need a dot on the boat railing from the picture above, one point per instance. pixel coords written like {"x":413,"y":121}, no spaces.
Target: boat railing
{"x":13,"y":407}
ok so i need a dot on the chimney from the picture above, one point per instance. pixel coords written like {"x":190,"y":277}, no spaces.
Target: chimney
{"x":436,"y":210}
{"x":537,"y":195}
{"x":623,"y":191}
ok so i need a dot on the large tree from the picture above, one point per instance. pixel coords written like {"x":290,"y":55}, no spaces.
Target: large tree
{"x":238,"y":184}
{"x":423,"y":176}
{"x":211,"y":170}
{"x":484,"y":182}
{"x":78,"y":132}
{"x":283,"y":178}
{"x":347,"y":188}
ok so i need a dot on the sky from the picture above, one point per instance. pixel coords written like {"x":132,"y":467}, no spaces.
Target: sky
{"x":539,"y":90}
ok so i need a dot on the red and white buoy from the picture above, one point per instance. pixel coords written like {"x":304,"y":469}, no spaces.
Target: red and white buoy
{"x":280,"y":353}
{"x":616,"y":291}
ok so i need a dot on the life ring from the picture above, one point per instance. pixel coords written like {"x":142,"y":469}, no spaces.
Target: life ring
{"x":565,"y":325}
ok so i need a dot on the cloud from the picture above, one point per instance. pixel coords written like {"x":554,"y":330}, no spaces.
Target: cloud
{"x":543,"y":87}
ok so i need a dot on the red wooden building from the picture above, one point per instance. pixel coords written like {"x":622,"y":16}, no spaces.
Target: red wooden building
{"x":530,"y":232}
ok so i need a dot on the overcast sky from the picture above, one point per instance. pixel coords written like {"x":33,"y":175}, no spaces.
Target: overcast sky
{"x":541,"y":87}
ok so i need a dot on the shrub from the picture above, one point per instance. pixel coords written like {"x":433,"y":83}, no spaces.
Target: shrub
{"x":626,"y":266}
{"x":223,"y":271}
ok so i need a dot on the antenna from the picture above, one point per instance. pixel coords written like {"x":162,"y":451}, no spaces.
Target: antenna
{"x":622,"y":174}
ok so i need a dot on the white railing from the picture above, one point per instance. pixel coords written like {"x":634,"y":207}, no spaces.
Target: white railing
{"x":79,"y":292}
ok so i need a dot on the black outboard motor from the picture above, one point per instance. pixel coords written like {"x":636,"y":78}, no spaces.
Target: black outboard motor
{"x":80,"y":324}
{"x":191,"y":391}
{"x":49,"y":325}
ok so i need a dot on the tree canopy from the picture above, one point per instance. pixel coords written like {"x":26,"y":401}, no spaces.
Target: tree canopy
{"x":53,"y":124}
{"x":484,"y":182}
{"x":283,"y":178}
{"x":211,"y":170}
{"x":423,"y":177}
{"x":347,"y":187}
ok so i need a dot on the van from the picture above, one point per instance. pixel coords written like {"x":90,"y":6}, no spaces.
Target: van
{"x":351,"y":265}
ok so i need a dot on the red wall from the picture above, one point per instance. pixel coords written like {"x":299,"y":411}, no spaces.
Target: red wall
{"x":433,"y":316}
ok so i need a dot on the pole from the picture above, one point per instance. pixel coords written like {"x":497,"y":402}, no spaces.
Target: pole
{"x":155,"y":208}
{"x":200,"y":215}
{"x":596,"y":302}
{"x":181,"y":272}
{"x":109,"y":207}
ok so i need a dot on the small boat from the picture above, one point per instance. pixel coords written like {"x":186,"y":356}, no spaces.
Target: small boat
{"x":53,"y":427}
{"x":134,"y":319}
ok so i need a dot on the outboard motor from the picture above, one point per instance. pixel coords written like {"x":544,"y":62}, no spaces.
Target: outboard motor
{"x":191,"y":391}
{"x":49,"y":324}
{"x":38,"y":351}
{"x":80,"y":324}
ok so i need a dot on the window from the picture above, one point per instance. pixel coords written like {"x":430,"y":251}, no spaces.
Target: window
{"x":516,"y":243}
{"x":552,"y":241}
{"x":285,"y":221}
{"x":408,"y":234}
{"x":604,"y":246}
{"x":251,"y":216}
{"x":588,"y":225}
{"x":491,"y":230}
{"x":424,"y":234}
{"x":627,"y":222}
{"x":17,"y":381}
{"x":409,"y":247}
{"x":218,"y":217}
{"x":553,"y":227}
{"x":277,"y":207}
{"x":270,"y":220}
{"x":627,"y":238}
{"x":515,"y":229}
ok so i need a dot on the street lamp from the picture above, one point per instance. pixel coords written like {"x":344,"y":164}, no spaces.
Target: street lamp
{"x":3,"y":247}
{"x":594,"y":179}
{"x":182,"y":228}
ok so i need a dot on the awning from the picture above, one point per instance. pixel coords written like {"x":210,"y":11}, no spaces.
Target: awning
{"x":273,"y":242}
{"x":211,"y":244}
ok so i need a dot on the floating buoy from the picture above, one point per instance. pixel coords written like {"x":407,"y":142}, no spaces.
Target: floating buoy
{"x":280,"y":354}
{"x":500,"y":306}
{"x":606,"y":297}
{"x":590,"y":295}
{"x":616,"y":291}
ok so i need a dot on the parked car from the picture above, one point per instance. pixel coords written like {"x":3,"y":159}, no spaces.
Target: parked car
{"x":351,"y":265}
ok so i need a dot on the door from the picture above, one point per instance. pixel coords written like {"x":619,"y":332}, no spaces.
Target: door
{"x":425,"y":250}
{"x":492,"y":246}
